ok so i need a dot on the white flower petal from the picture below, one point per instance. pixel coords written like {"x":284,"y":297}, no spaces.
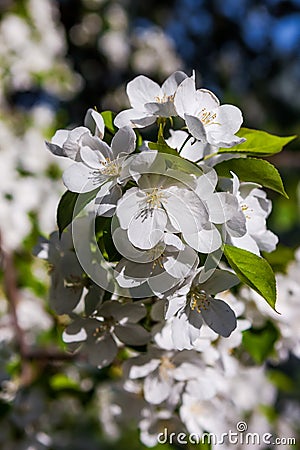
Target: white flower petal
{"x":173,"y":241}
{"x":78,"y":336}
{"x":92,"y":158}
{"x":146,"y":230}
{"x":107,"y":203}
{"x":142,"y":90}
{"x":206,"y":184}
{"x":219,"y":317}
{"x":142,"y":366}
{"x":94,"y":122}
{"x":195,"y":150}
{"x":128,"y":206}
{"x":196,"y":128}
{"x":266,"y":241}
{"x":219,"y":281}
{"x":206,"y":240}
{"x":162,"y":282}
{"x":222,"y":207}
{"x":174,"y":305}
{"x":126,"y":249}
{"x":245,"y":242}
{"x":185,"y":100}
{"x":230,"y":119}
{"x":134,"y":117}
{"x":157,"y":389}
{"x":80,"y":178}
{"x":129,"y":274}
{"x":103,"y":352}
{"x":132,"y":334}
{"x":236,"y":226}
{"x":206,"y":99}
{"x":179,"y":264}
{"x":177,"y":138}
{"x":185,"y":210}
{"x":123,"y":141}
{"x":171,"y":84}
{"x":163,"y":109}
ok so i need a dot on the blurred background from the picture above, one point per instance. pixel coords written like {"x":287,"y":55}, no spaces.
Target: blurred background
{"x":57,"y":59}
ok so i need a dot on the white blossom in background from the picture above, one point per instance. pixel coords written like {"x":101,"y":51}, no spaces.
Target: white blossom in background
{"x":154,"y":52}
{"x":67,"y":278}
{"x":27,"y":51}
{"x":29,"y":54}
{"x":99,"y":334}
{"x":287,"y":306}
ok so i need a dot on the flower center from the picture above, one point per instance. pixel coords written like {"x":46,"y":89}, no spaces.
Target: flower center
{"x":199,"y":301}
{"x":165,"y":98}
{"x":105,"y":326}
{"x":154,"y":198}
{"x":165,"y":366}
{"x":245,"y":208}
{"x":111,"y":168}
{"x":207,"y":118}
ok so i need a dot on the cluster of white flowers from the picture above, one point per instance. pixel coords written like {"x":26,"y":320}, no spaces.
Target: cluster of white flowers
{"x":155,"y":302}
{"x":27,"y":53}
{"x":166,"y":212}
{"x":159,"y":291}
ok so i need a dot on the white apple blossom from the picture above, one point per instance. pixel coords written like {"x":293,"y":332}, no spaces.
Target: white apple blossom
{"x":99,"y":334}
{"x":207,"y":120}
{"x":101,"y":166}
{"x":149,"y":101}
{"x":162,"y":203}
{"x":164,"y":373}
{"x":67,"y":278}
{"x":193,"y":305}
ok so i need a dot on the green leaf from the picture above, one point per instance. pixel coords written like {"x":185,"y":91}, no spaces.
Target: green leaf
{"x":104,"y":239}
{"x":139,"y":138}
{"x":162,"y":148}
{"x":108,"y":117}
{"x":281,"y":380}
{"x":60,"y":381}
{"x":260,"y":342}
{"x":259,"y":143}
{"x":70,"y":206}
{"x":255,"y":170}
{"x":253,"y":270}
